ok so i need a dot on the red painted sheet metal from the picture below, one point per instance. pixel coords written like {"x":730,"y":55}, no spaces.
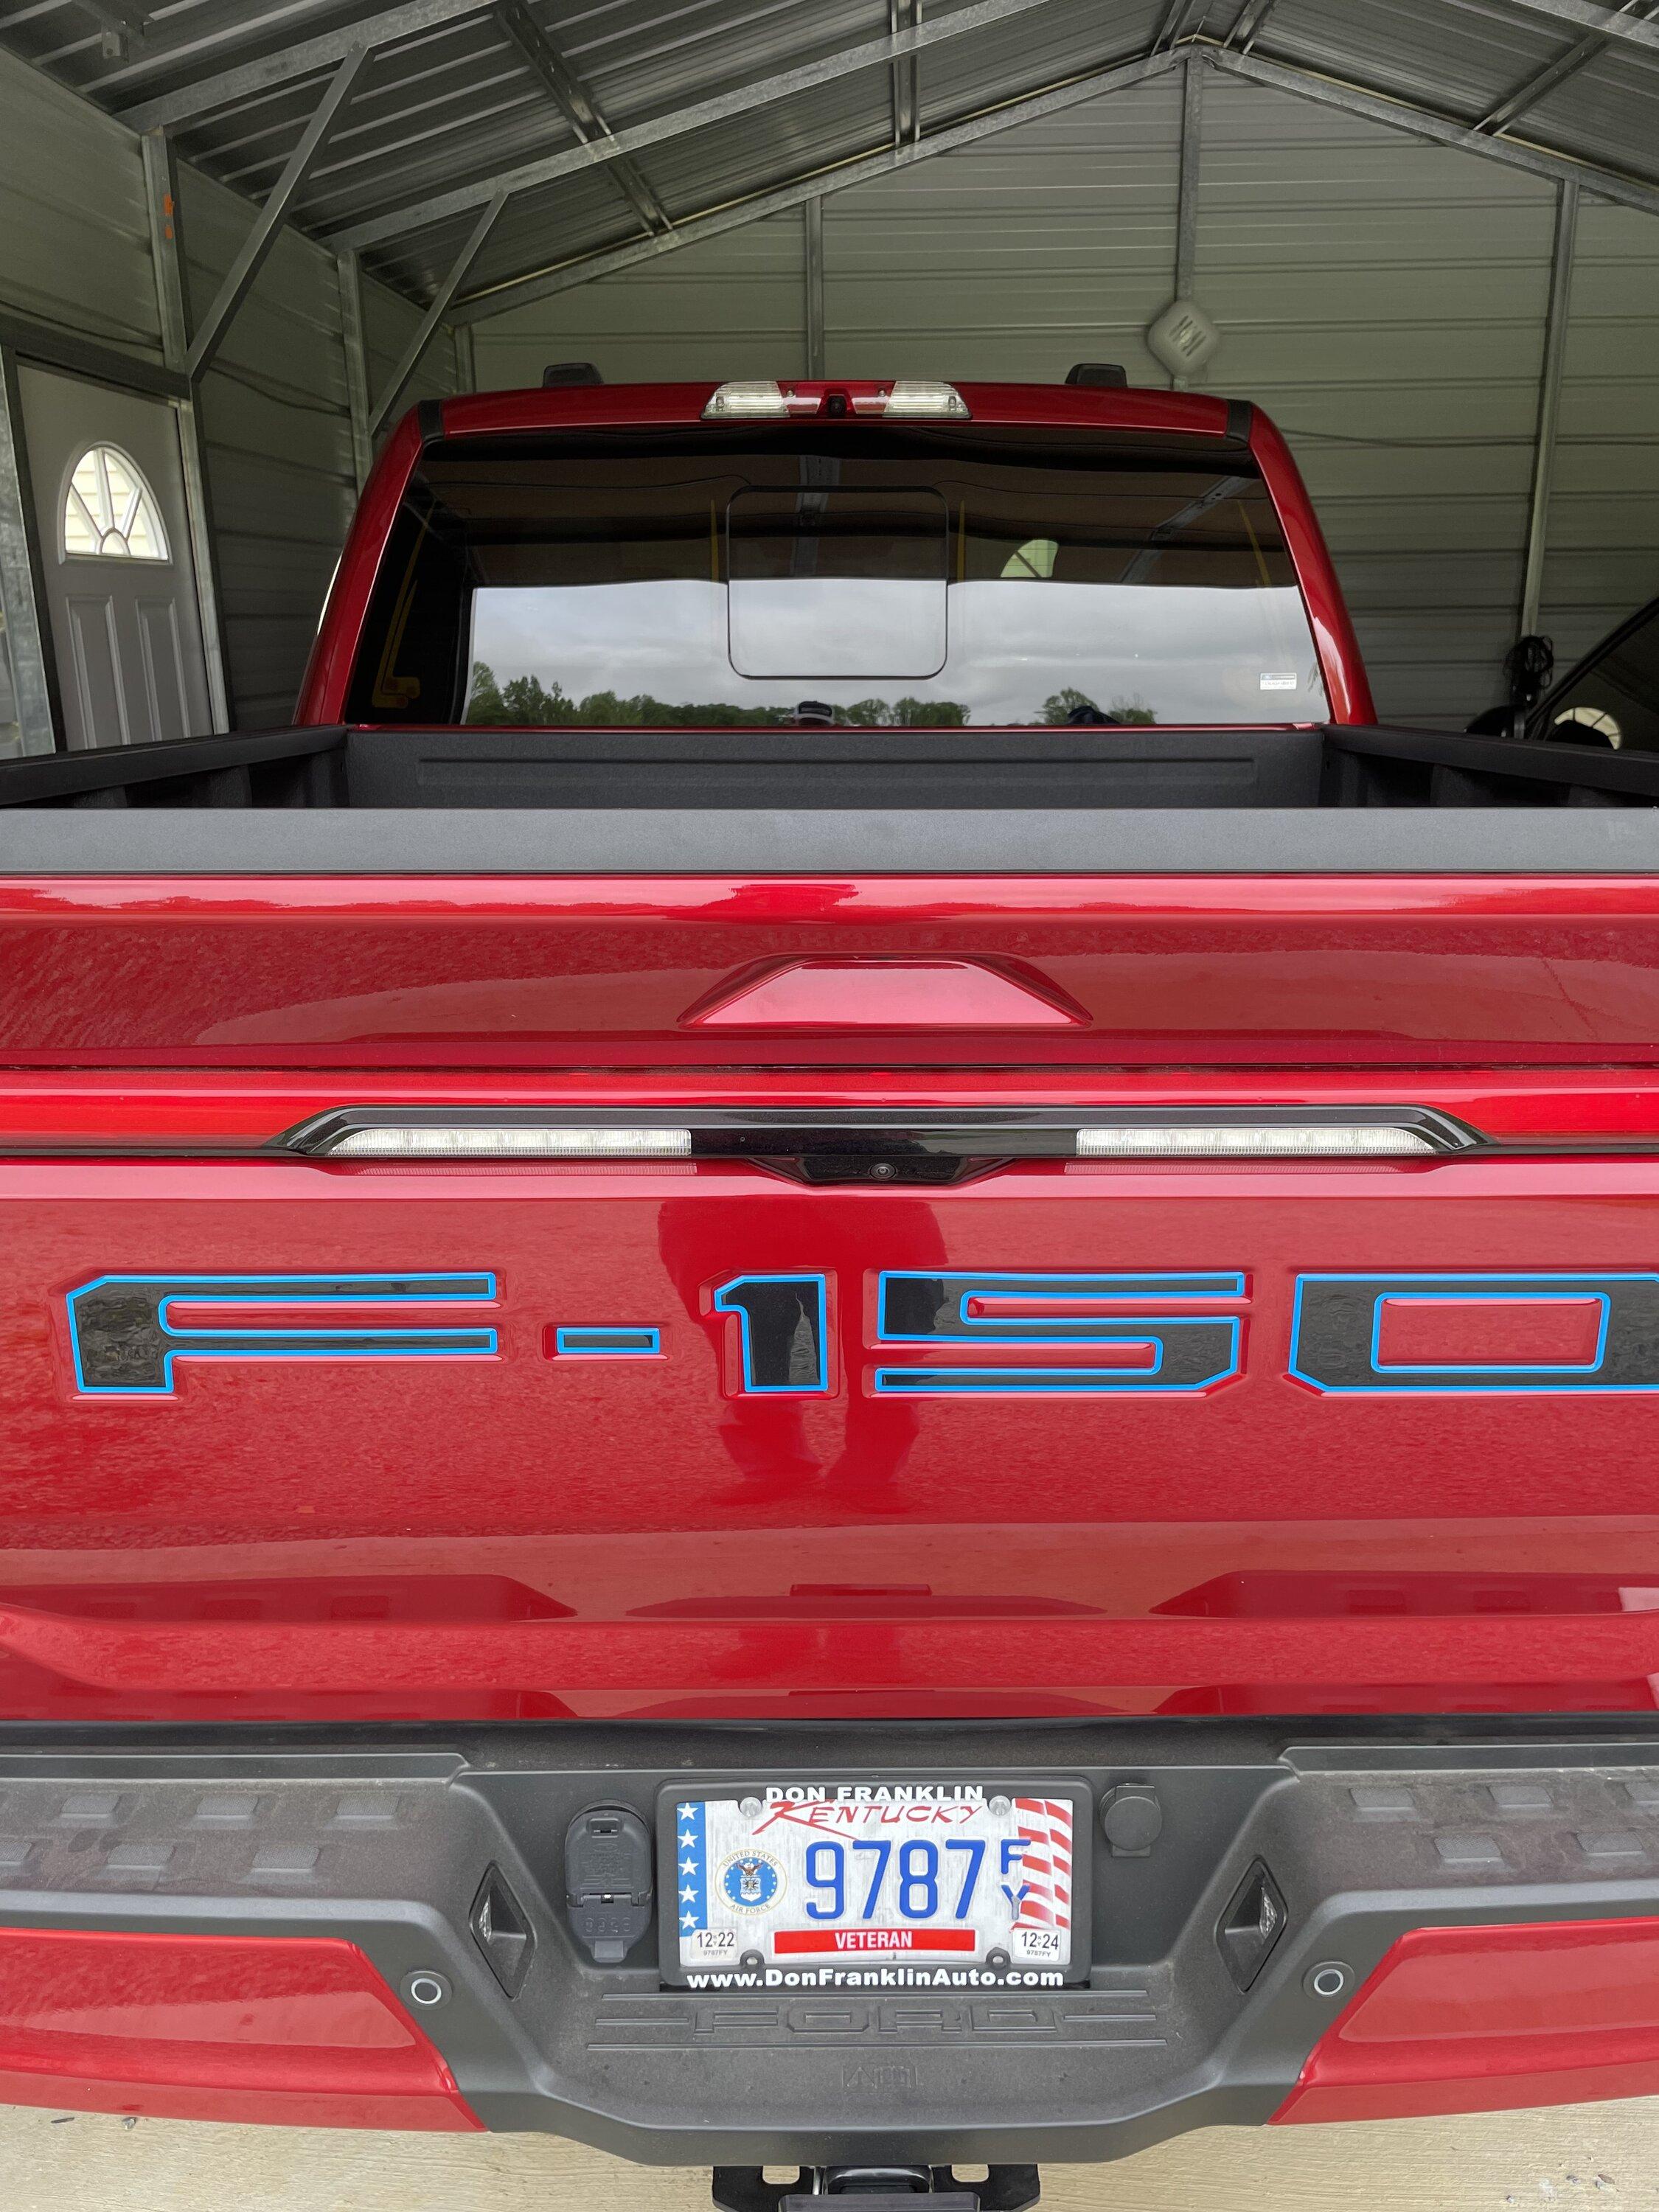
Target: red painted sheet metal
{"x":1480,"y":2019}
{"x":489,"y":972}
{"x":1061,"y":406}
{"x":213,"y":1110}
{"x":516,"y":1534}
{"x":299,"y":2031}
{"x":641,"y":1668}
{"x":328,"y":673}
{"x":900,"y":996}
{"x":1346,"y":684}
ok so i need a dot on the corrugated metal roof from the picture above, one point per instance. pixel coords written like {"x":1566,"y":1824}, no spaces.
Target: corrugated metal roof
{"x":461,"y":94}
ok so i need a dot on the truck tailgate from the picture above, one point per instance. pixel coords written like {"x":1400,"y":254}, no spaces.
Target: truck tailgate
{"x":1063,"y":1437}
{"x":289,"y":1437}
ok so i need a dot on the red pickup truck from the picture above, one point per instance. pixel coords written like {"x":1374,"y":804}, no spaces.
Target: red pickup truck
{"x":835,"y":1343}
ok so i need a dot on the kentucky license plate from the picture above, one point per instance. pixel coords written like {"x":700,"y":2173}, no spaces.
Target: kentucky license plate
{"x":828,"y":1885}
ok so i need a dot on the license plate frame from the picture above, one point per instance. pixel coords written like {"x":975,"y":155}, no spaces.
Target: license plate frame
{"x":914,"y":1966}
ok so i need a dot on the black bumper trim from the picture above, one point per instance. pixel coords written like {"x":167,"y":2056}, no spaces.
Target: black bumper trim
{"x":385,"y":1840}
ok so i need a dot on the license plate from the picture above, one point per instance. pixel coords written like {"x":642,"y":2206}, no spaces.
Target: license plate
{"x":883,"y":1884}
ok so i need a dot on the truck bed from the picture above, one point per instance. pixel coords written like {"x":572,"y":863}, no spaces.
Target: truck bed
{"x":763,"y":772}
{"x":359,"y":801}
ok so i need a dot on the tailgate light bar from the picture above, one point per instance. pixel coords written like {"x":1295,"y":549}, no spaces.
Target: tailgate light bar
{"x":907,"y":398}
{"x":1260,"y":1140}
{"x":495,"y":1140}
{"x":852,"y":1144}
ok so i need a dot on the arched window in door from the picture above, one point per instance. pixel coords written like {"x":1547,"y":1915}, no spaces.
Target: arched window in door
{"x":110,"y":512}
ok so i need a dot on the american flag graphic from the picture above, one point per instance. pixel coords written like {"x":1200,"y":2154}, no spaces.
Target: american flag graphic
{"x":1045,"y":1866}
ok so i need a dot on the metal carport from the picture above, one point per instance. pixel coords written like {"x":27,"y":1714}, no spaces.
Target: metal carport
{"x":1423,"y":228}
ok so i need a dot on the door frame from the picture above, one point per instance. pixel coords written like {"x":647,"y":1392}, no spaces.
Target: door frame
{"x":22,"y":565}
{"x":23,"y":578}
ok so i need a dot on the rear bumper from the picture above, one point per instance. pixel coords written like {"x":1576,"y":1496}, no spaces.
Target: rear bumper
{"x":384,"y":1843}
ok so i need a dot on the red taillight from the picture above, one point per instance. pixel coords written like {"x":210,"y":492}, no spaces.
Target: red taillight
{"x":299,"y":2030}
{"x":1475,"y":2020}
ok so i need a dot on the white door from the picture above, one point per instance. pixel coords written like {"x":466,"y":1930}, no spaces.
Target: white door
{"x":126,"y":626}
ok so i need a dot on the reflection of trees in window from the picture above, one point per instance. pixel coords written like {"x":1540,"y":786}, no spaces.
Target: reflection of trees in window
{"x":1070,"y":707}
{"x":525,"y":702}
{"x":109,"y":511}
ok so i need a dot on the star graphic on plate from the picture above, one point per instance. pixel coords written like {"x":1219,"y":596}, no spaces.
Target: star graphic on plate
{"x":688,"y":1920}
{"x":687,"y":1866}
{"x":686,"y":1841}
{"x":685,"y":1812}
{"x":688,"y":1896}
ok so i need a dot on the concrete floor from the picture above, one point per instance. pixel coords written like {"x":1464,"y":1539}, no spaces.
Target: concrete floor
{"x":1576,"y":2156}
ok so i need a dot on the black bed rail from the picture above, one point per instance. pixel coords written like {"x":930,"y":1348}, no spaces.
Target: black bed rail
{"x":261,"y":767}
{"x":1446,"y":767}
{"x":569,"y":772}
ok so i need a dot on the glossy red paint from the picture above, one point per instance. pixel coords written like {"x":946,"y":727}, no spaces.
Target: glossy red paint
{"x":1059,"y":406}
{"x":323,"y":692}
{"x":668,"y":1548}
{"x":900,"y":997}
{"x":328,"y":671}
{"x":1346,"y":684}
{"x":298,"y":2031}
{"x":490,"y":972}
{"x":1482,"y":2019}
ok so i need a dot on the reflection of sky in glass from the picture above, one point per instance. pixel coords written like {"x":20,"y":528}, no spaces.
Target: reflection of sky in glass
{"x":1191,"y":654}
{"x":828,"y":626}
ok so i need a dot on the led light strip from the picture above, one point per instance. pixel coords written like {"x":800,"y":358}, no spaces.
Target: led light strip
{"x":1267,"y":1140}
{"x":1048,"y":1135}
{"x":482,"y":1140}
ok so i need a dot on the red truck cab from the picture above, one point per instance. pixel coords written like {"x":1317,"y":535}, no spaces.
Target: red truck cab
{"x":833,"y":1343}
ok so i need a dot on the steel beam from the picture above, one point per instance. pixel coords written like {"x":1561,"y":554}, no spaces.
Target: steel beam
{"x":1588,"y":15}
{"x":1247,"y":29}
{"x":1423,"y":123}
{"x":121,"y":20}
{"x":1549,"y":401}
{"x":1192,"y":133}
{"x":1540,"y":85}
{"x":27,"y":641}
{"x":578,"y":107}
{"x":84,"y":357}
{"x":1193,"y":67}
{"x":256,"y":246}
{"x":436,"y":312}
{"x":542,"y":284}
{"x":168,"y":258}
{"x":1177,"y":14}
{"x":904,"y":16}
{"x":162,"y":196}
{"x":812,"y":271}
{"x":466,"y":358}
{"x":287,"y":65}
{"x":350,"y":275}
{"x":742,"y":99}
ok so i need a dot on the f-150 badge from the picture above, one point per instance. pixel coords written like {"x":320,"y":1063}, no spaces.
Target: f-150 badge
{"x":954,"y":1334}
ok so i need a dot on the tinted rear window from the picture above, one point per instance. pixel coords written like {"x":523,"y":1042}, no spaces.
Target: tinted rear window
{"x":716,"y":577}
